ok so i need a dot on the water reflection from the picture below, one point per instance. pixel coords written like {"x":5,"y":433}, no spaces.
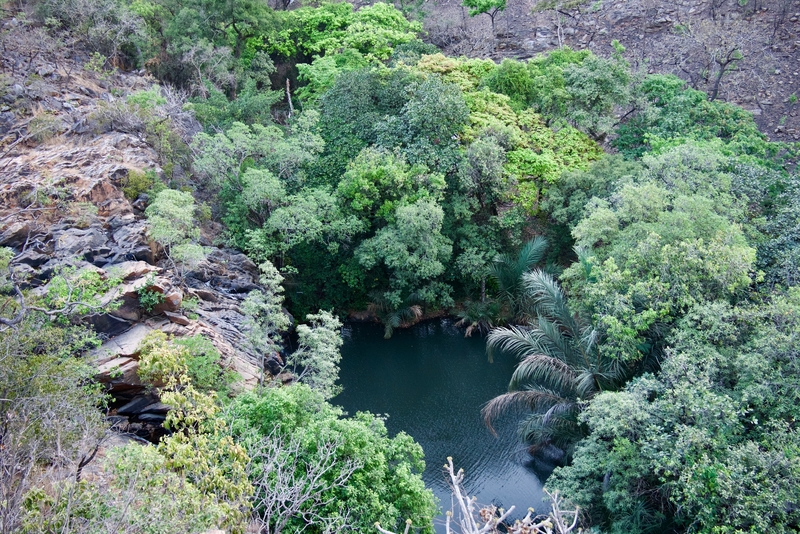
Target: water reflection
{"x":432,"y":383}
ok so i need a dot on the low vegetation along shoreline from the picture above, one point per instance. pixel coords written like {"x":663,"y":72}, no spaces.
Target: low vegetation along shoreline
{"x":187,"y":183}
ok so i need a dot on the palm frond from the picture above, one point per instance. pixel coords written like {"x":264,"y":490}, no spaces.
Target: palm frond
{"x":560,"y":366}
{"x":562,"y":412}
{"x":589,"y":337}
{"x":556,"y":342}
{"x":560,"y":431}
{"x":479,"y":316}
{"x":393,"y":317}
{"x":587,"y":384}
{"x":518,"y":341}
{"x":531,"y":254}
{"x":536,"y":400}
{"x":507,"y":270}
{"x":549,"y":299}
{"x":544,"y":371}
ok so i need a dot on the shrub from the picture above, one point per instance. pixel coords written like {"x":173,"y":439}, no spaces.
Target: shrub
{"x":170,"y":217}
{"x":44,"y":127}
{"x":204,"y":364}
{"x":139,"y":182}
{"x":149,"y":298}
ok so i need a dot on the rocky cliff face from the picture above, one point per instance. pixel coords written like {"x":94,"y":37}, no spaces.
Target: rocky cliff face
{"x":62,"y":205}
{"x":687,"y":38}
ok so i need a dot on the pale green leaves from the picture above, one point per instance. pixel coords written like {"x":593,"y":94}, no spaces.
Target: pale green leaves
{"x":263,"y":310}
{"x":377,"y":181}
{"x":172,"y":225}
{"x":312,"y":216}
{"x":262,"y":191}
{"x":318,"y":353}
{"x":221,"y":157}
{"x":478,"y":7}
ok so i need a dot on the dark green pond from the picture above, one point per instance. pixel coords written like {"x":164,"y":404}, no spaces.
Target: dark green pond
{"x":431,"y":382}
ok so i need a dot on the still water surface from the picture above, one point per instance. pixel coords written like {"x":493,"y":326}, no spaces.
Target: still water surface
{"x":431,"y":382}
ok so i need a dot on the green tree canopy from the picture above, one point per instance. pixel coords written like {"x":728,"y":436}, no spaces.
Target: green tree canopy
{"x":711,"y":441}
{"x":386,"y":486}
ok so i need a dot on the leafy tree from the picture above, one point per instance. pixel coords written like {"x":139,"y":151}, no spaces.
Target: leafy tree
{"x":377,"y":182}
{"x":427,"y":127}
{"x":413,"y":250}
{"x":252,"y":105}
{"x":779,"y":255}
{"x":658,"y":247}
{"x":256,"y":167}
{"x":318,"y":353}
{"x":228,"y":22}
{"x":138,"y":486}
{"x":372,"y":31}
{"x":385,"y":487}
{"x":349,"y":111}
{"x":711,"y":442}
{"x":312,"y":216}
{"x":172,"y":225}
{"x":567,"y":86}
{"x":321,"y":73}
{"x":488,"y":181}
{"x":596,"y":88}
{"x":485,"y":7}
{"x":550,"y":96}
{"x":265,"y":321}
{"x":513,"y":79}
{"x":567,"y":199}
{"x":222,"y":157}
{"x":51,"y":424}
{"x":672,"y":111}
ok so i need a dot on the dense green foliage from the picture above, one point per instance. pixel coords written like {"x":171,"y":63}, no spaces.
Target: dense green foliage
{"x":385,"y":485}
{"x":710,"y":444}
{"x":657,"y":346}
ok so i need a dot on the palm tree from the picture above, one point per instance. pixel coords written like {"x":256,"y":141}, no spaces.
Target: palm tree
{"x":407,"y":313}
{"x":507,"y":270}
{"x":479,"y":316}
{"x":560,"y":367}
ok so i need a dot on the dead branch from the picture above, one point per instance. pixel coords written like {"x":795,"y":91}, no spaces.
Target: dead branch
{"x":473,"y":519}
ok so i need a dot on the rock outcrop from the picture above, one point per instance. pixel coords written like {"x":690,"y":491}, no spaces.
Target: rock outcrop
{"x":62,"y":205}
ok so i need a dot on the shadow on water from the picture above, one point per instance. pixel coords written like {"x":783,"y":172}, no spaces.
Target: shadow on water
{"x":431,"y":382}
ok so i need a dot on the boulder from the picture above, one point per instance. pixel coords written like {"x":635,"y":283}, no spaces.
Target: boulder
{"x":15,"y":234}
{"x":137,"y":405}
{"x":120,"y":375}
{"x":172,"y":301}
{"x":178,"y":318}
{"x":123,"y":345}
{"x":105,"y":323}
{"x":152,"y":418}
{"x":156,"y":408}
{"x":128,"y":308}
{"x":131,"y":270}
{"x":33,"y":258}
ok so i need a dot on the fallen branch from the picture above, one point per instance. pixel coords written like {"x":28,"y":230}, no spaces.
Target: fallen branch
{"x":491,"y":520}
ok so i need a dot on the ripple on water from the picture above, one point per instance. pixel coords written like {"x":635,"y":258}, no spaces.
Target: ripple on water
{"x":432,"y":383}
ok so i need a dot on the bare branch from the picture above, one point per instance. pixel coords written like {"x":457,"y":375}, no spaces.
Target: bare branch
{"x":288,"y":486}
{"x":491,"y":520}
